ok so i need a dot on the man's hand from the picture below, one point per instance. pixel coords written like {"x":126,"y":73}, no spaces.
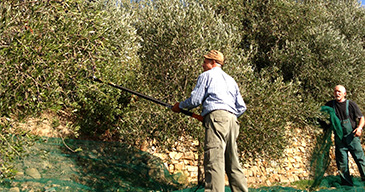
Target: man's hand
{"x":357,"y":132}
{"x":176,"y":108}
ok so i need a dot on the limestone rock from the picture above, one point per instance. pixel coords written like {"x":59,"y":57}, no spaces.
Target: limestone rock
{"x":33,"y":172}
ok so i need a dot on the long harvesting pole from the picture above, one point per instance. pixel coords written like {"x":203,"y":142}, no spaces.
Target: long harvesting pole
{"x":185,"y":112}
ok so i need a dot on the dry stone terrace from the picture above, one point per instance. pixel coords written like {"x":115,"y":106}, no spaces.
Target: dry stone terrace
{"x":293,"y":166}
{"x":184,"y":158}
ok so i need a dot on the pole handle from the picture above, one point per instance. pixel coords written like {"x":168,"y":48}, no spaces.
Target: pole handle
{"x":193,"y":115}
{"x":198,"y":117}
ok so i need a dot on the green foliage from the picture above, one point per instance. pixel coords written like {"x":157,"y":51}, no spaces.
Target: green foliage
{"x":326,"y":50}
{"x":175,"y":36}
{"x":273,"y":108}
{"x":306,"y":40}
{"x":49,"y":51}
{"x":315,"y":45}
{"x":12,"y":147}
{"x":285,"y":55}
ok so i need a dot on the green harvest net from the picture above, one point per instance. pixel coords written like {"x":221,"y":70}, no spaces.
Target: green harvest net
{"x":51,"y":165}
{"x":320,"y":157}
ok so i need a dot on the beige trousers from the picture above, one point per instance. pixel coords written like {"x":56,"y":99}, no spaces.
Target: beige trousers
{"x":220,"y":152}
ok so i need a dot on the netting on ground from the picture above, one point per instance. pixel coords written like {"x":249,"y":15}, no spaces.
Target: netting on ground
{"x":50,"y":165}
{"x":98,"y":166}
{"x":328,"y":184}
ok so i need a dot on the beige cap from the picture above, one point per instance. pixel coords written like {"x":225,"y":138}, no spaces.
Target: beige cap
{"x":215,"y":55}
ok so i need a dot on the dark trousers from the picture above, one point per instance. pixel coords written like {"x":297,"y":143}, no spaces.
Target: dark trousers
{"x":353,"y":145}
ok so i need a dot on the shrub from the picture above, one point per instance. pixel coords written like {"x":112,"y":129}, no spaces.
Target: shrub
{"x":50,"y":49}
{"x":13,"y":144}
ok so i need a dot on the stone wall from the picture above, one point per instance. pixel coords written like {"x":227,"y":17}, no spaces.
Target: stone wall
{"x":293,"y":166}
{"x":184,"y":158}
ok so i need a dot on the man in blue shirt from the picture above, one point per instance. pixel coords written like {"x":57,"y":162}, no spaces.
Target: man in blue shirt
{"x":222,"y":104}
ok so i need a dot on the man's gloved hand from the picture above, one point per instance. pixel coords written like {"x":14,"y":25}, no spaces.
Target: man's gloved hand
{"x":176,"y":108}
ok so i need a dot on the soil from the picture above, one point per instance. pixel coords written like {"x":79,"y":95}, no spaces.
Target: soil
{"x":48,"y":124}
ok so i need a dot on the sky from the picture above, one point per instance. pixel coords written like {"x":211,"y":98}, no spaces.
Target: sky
{"x":362,"y":3}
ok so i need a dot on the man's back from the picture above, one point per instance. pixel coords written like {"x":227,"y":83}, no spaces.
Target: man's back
{"x":222,"y":92}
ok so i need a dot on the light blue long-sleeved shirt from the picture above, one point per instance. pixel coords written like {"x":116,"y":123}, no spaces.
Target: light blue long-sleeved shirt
{"x":216,"y":90}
